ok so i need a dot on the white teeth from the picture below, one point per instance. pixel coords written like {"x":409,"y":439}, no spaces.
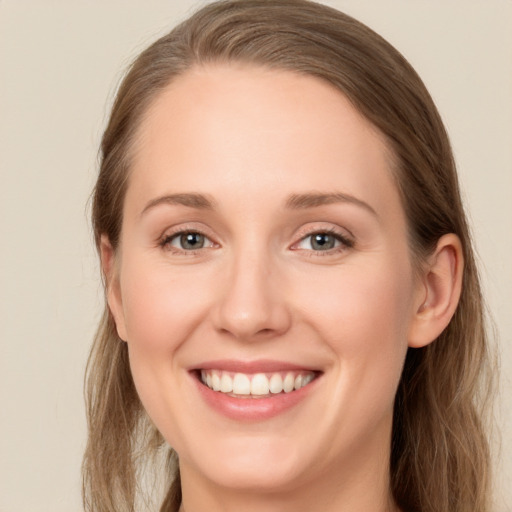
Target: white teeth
{"x":241,"y":384}
{"x":215,"y":381}
{"x":226,"y":383}
{"x":276,"y":383}
{"x":307,"y":379}
{"x":259,"y":384}
{"x":289,"y":382}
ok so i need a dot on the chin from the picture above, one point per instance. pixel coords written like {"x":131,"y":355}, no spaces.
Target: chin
{"x":253,"y":465}
{"x":255,"y":477}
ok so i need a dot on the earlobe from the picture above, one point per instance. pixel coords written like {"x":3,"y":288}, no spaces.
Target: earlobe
{"x":112,"y":285}
{"x":440,"y":292}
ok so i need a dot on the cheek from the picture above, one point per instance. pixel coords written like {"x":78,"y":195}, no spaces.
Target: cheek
{"x":360,"y":300}
{"x":363,"y":315}
{"x":161,"y":308}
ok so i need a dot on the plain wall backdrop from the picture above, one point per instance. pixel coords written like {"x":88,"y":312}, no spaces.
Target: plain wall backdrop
{"x":60,"y":62}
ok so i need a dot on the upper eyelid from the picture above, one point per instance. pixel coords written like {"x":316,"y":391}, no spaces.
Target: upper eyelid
{"x":166,"y":237}
{"x":172,"y":231}
{"x":343,"y":233}
{"x":171,"y":236}
{"x":345,"y":242}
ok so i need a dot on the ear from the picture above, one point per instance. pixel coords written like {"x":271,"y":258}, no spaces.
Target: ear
{"x":113,"y":288}
{"x":438,"y":293}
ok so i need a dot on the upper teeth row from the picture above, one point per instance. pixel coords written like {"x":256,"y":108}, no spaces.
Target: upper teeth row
{"x":256,"y":384}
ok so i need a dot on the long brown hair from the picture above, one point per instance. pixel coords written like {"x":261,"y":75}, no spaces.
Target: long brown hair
{"x":439,"y":453}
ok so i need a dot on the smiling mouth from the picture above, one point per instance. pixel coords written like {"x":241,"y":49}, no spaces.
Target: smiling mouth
{"x":257,"y":385}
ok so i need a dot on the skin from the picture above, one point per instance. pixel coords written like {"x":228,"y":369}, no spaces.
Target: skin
{"x":247,"y":139}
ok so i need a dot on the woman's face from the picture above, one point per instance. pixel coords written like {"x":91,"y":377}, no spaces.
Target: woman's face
{"x":264,"y":248}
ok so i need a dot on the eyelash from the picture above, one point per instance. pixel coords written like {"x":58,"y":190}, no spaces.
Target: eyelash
{"x":345,"y":242}
{"x":165,"y":242}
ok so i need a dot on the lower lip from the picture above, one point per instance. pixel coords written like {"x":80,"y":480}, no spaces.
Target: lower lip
{"x":252,"y":409}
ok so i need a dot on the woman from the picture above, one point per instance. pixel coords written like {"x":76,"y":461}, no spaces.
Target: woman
{"x":293,"y":304}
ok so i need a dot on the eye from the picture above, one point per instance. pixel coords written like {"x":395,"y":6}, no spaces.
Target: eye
{"x":323,"y":241}
{"x":187,"y":241}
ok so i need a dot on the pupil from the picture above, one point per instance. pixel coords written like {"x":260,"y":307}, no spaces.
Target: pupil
{"x":192,"y":241}
{"x":323,"y":241}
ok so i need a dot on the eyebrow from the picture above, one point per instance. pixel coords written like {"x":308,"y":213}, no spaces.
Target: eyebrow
{"x":294,"y":201}
{"x":198,"y":201}
{"x":315,"y":199}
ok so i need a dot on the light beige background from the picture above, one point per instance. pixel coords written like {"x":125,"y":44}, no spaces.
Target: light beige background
{"x":59,"y":64}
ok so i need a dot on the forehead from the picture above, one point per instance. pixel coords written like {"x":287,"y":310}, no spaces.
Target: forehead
{"x":245,"y":130}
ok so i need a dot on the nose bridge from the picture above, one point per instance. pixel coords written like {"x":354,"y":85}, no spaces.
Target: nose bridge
{"x":252,"y":303}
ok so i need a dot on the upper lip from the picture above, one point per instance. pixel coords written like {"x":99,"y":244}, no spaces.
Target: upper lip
{"x":256,"y":366}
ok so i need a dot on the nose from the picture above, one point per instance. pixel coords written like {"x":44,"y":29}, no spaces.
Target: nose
{"x":252,"y":301}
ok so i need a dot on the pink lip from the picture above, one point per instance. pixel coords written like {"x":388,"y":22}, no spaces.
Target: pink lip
{"x":258,"y":366}
{"x":251,"y":409}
